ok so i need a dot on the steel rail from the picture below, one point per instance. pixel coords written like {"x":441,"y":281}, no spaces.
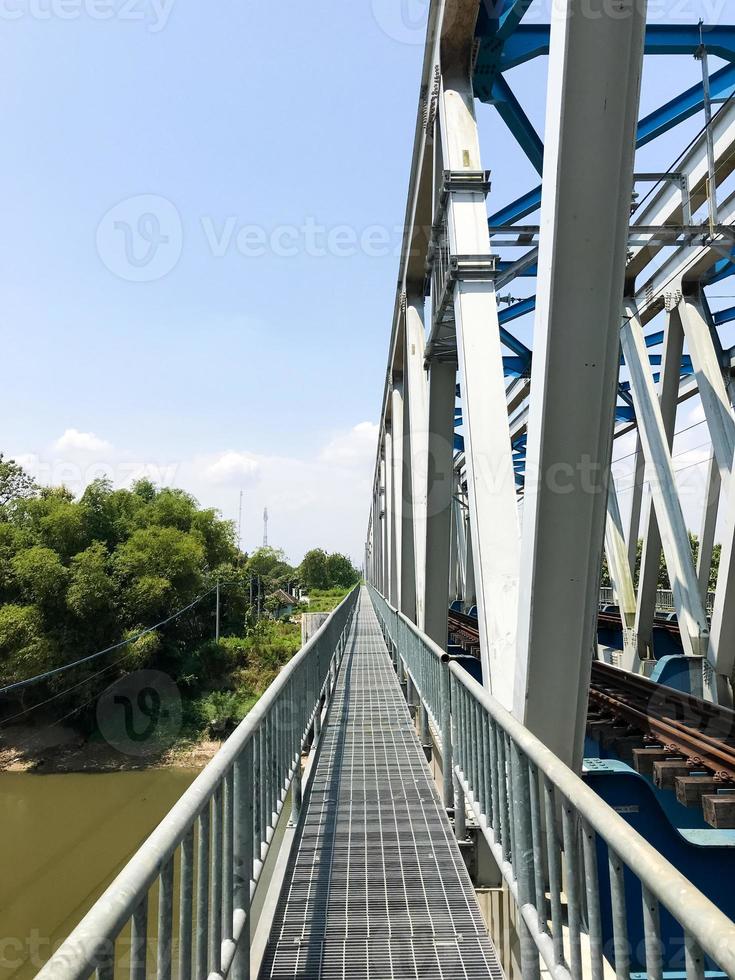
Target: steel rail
{"x":516,"y":787}
{"x":243,"y":790}
{"x":626,"y":697}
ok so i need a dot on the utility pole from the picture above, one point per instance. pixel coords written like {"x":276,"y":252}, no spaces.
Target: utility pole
{"x":265,"y":528}
{"x":239,"y":523}
{"x":216,"y":628}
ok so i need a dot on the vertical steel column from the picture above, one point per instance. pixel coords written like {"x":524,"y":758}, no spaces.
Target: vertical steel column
{"x":595,"y":64}
{"x":396,"y":427}
{"x":488,"y":457}
{"x":418,"y":415}
{"x":408,"y":558}
{"x":469,"y":571}
{"x":385,"y":511}
{"x":440,"y":480}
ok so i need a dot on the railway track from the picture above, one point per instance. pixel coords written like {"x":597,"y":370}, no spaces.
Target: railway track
{"x":684,"y":743}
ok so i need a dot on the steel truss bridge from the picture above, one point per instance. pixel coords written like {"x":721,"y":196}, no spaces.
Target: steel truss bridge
{"x":319,"y":842}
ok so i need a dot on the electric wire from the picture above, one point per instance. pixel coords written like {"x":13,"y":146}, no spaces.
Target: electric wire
{"x":100,"y":653}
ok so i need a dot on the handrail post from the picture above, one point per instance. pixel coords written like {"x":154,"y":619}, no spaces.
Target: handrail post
{"x":523,"y":857}
{"x":446,"y":722}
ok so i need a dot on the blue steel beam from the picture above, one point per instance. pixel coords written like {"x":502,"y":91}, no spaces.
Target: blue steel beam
{"x":512,"y":114}
{"x":724,"y":316}
{"x":532,"y":41}
{"x":520,"y":308}
{"x":722,"y":85}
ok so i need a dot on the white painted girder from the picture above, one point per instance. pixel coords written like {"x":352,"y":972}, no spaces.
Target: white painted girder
{"x":595,"y":63}
{"x":674,"y":536}
{"x":490,"y":479}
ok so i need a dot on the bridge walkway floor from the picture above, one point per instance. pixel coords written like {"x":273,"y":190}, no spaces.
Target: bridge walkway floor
{"x":376,"y":886}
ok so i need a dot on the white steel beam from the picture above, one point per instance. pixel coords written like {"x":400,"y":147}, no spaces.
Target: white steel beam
{"x":709,"y":525}
{"x":634,"y":521}
{"x":675,"y":538}
{"x":440,"y":483}
{"x":595,"y":61}
{"x":711,"y":384}
{"x":407,"y":557}
{"x":618,"y":562}
{"x":397,"y":490}
{"x":490,"y":479}
{"x":416,"y":381}
{"x":668,"y":389}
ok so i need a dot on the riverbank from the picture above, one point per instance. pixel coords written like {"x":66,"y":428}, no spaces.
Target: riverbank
{"x":61,"y":749}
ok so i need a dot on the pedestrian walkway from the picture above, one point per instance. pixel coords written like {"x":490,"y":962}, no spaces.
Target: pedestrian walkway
{"x":376,"y":886}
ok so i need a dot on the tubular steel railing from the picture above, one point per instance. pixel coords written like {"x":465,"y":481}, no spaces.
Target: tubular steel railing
{"x":199,"y":869}
{"x":587,"y":886}
{"x":664,"y":599}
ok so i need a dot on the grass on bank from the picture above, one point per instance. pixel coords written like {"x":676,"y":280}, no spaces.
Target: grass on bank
{"x":239,"y":668}
{"x":324,"y":600}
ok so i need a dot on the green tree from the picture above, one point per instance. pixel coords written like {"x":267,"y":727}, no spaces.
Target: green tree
{"x":92,"y":588}
{"x":15,"y":483}
{"x":341,"y":573}
{"x":41,"y":577}
{"x":313,"y":569}
{"x":25,"y":649}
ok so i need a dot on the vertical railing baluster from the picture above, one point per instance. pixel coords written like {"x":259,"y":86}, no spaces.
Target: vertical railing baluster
{"x":494,"y":781}
{"x":472,"y":732}
{"x":511,"y":824}
{"x":139,"y":940}
{"x":244,"y":812}
{"x":227,"y":855}
{"x":554,"y":864}
{"x":202,"y":914}
{"x":573,"y":897}
{"x":165,"y":921}
{"x":694,"y":958}
{"x":591,"y":880}
{"x":523,"y":858}
{"x":539,"y":879}
{"x":446,"y":723}
{"x":652,"y":933}
{"x":484,"y":771}
{"x":215,"y":905}
{"x":503,"y":795}
{"x":186,"y":905}
{"x":619,"y":916}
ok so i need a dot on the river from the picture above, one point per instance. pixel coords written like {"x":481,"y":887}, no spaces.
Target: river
{"x":64,"y":837}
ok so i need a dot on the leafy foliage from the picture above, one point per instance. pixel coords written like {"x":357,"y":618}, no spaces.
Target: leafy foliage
{"x":80,"y":575}
{"x":663,"y":574}
{"x":318,"y":570}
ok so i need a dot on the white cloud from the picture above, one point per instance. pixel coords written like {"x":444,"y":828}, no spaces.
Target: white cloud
{"x":316,"y":500}
{"x":87,"y":442}
{"x":358,"y":446}
{"x":232,"y":467}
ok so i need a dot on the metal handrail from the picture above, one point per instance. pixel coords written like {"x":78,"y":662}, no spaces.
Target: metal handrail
{"x":230,"y":812}
{"x":517,"y":789}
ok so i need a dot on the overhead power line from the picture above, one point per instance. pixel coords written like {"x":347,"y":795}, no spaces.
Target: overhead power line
{"x":100,"y":653}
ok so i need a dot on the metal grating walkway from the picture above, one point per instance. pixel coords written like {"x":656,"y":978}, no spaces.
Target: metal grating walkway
{"x":376,"y":886}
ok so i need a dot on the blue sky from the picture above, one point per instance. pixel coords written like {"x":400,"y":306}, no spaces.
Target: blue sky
{"x":255,"y":361}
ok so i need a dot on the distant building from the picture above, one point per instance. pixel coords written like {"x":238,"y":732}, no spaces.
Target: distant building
{"x":283,"y":604}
